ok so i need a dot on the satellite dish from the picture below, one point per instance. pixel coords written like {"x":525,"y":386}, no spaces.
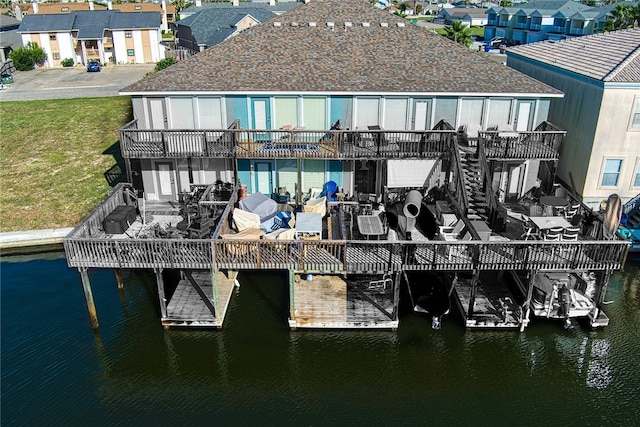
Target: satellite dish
{"x":612,"y":215}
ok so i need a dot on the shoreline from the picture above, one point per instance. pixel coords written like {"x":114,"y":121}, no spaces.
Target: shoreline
{"x":30,"y":238}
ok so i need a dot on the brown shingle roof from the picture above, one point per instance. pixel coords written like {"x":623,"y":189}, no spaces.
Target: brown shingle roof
{"x":609,"y":57}
{"x":67,"y":7}
{"x":143,"y":7}
{"x":366,"y":50}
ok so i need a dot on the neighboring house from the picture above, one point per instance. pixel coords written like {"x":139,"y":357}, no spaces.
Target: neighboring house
{"x":327,"y":61}
{"x":208,"y":27}
{"x":107,"y":36}
{"x":546,"y":20}
{"x":469,"y":16}
{"x":9,"y":37}
{"x":277,"y":7}
{"x":166,"y":10}
{"x":600,"y":76}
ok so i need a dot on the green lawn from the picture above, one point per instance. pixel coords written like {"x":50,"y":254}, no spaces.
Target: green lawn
{"x":53,"y":159}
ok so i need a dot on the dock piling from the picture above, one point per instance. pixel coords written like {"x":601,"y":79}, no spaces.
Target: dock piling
{"x":88,"y":295}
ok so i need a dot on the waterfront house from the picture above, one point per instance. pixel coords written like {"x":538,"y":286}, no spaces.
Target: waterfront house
{"x":469,"y":16}
{"x":277,"y":7}
{"x":396,"y":151}
{"x":103,"y":35}
{"x":601,"y":153}
{"x":545,"y":20}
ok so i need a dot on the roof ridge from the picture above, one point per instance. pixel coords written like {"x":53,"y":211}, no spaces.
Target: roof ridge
{"x":623,"y":64}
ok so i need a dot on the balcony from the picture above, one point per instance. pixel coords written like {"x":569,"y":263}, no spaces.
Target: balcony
{"x":575,"y":31}
{"x":543,"y":143}
{"x":535,"y":27}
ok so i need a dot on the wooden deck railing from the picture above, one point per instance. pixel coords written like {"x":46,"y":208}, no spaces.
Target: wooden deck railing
{"x":87,"y":246}
{"x":326,"y":144}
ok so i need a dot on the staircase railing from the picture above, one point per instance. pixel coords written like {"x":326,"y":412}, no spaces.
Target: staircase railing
{"x":492,"y":200}
{"x":460,"y":192}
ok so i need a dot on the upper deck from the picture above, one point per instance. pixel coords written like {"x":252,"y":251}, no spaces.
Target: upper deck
{"x":544,"y":143}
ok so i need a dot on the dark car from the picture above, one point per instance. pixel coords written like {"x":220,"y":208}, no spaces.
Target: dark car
{"x":93,"y":66}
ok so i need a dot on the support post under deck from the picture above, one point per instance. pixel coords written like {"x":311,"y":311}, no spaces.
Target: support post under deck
{"x":216,"y":297}
{"x":161,"y":295}
{"x":396,"y":295}
{"x":119,"y":281}
{"x":526,"y":306}
{"x":292,"y":301}
{"x":88,"y":295}
{"x":472,"y":298}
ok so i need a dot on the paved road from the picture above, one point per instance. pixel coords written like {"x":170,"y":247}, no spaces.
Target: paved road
{"x":76,"y":82}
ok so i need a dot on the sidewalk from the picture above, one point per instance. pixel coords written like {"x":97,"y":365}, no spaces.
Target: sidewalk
{"x":23,"y":239}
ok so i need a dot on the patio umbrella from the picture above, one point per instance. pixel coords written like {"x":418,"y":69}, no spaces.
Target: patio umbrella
{"x":612,"y":215}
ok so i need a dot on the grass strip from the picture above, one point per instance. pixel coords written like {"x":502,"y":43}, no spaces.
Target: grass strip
{"x":53,"y":156}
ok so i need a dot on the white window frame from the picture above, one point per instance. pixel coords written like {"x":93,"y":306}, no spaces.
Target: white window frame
{"x":636,"y":175}
{"x":602,"y":172}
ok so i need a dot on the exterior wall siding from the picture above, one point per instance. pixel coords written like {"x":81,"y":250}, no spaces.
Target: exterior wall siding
{"x":120,"y":47}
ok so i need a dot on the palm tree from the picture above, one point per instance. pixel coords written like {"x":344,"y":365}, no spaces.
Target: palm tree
{"x":623,"y":16}
{"x":459,"y":33}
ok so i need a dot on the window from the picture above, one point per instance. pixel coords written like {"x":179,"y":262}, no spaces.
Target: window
{"x":395,"y":114}
{"x":314,"y":113}
{"x":446,"y":109}
{"x":635,"y":115}
{"x":209,"y":113}
{"x":286,"y":112}
{"x":471,"y":111}
{"x":131,"y":52}
{"x":52,"y":36}
{"x":367,"y":112}
{"x":636,"y":180}
{"x":499,"y":112}
{"x":127,"y":34}
{"x":64,"y":9}
{"x":181,"y":110}
{"x":56,"y":55}
{"x":137,"y":7}
{"x":611,"y":172}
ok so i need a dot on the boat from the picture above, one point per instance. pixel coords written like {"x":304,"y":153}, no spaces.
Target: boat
{"x":629,"y":227}
{"x":564,"y":295}
{"x":429,"y":295}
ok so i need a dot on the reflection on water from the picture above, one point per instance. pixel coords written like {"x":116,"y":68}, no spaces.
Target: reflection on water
{"x":256,"y":371}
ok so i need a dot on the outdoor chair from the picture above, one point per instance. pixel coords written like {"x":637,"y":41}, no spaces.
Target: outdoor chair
{"x":570,"y":211}
{"x":570,"y":234}
{"x":531,"y":231}
{"x":554,"y":234}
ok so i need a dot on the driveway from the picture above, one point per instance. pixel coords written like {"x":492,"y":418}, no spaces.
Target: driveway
{"x":76,"y":82}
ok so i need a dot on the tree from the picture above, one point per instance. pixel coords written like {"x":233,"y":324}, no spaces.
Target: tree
{"x":506,"y":3}
{"x":459,"y":33}
{"x":27,"y":57}
{"x":623,"y":16}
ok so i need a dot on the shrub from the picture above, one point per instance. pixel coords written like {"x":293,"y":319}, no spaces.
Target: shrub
{"x":164,"y":63}
{"x":67,"y":62}
{"x":25,"y":58}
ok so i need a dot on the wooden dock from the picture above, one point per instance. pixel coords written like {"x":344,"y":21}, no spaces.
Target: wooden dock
{"x":187,"y":308}
{"x":330,"y":301}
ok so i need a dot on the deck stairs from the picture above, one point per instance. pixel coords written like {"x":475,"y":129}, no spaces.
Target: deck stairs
{"x":631,"y":213}
{"x":7,"y":68}
{"x":474,"y":184}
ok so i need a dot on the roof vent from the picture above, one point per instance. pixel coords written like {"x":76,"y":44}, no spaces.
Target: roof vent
{"x":384,"y":24}
{"x":400,"y":24}
{"x":348,"y":24}
{"x":294,"y":24}
{"x":312,"y":24}
{"x":330,"y":24}
{"x":277,"y":24}
{"x":365,"y":24}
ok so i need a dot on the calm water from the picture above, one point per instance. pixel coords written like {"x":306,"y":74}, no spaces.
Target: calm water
{"x":56,"y":371}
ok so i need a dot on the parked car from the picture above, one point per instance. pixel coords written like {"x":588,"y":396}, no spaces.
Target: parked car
{"x":93,"y":66}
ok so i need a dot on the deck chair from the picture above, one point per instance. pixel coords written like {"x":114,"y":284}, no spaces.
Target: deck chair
{"x":531,"y":231}
{"x":452,"y":233}
{"x":570,"y":234}
{"x":554,"y":234}
{"x":570,"y":211}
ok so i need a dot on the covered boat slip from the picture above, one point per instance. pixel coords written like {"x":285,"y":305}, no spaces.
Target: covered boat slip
{"x":331,"y":301}
{"x":485,"y":301}
{"x":196,"y":302}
